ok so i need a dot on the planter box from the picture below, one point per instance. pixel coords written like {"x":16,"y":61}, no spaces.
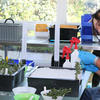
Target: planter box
{"x":54,"y":82}
{"x":8,"y":82}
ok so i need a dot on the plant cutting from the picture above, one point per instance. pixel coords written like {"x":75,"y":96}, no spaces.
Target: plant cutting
{"x":55,"y":94}
{"x":78,"y":70}
{"x":8,"y":66}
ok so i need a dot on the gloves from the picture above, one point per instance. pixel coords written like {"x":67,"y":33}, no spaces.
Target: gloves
{"x":86,"y":57}
{"x":91,"y":68}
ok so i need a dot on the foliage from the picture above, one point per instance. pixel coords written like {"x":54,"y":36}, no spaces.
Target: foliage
{"x":29,"y":10}
{"x":45,"y":10}
{"x":78,"y":69}
{"x":10,"y":65}
{"x":61,"y":92}
{"x":81,"y":48}
{"x":76,"y":8}
{"x":41,"y":49}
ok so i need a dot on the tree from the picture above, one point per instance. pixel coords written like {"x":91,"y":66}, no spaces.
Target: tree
{"x":30,"y":10}
{"x":76,"y":8}
{"x":45,"y":10}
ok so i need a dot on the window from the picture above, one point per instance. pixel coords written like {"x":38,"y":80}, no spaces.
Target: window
{"x":45,"y":10}
{"x":76,"y":8}
{"x":28,"y":10}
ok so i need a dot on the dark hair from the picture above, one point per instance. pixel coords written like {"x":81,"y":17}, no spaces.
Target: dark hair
{"x":96,"y":15}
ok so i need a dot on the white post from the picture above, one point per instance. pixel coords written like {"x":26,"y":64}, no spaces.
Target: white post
{"x":61,"y":11}
{"x":60,"y":19}
{"x":24,"y":42}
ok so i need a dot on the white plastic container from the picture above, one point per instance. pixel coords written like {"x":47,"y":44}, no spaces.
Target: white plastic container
{"x":75,"y":54}
{"x":66,"y":51}
{"x":74,"y":57}
{"x":67,"y":64}
{"x":41,"y":31}
{"x":48,"y":97}
{"x":19,"y":90}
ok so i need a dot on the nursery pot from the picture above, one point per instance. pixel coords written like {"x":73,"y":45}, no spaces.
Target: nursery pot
{"x":45,"y":97}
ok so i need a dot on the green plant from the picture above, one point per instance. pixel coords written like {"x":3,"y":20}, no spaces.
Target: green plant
{"x":9,"y":65}
{"x":58,"y":92}
{"x":41,"y":49}
{"x":78,"y":70}
{"x":81,"y":48}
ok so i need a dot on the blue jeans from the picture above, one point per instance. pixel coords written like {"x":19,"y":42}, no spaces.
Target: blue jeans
{"x":91,"y":94}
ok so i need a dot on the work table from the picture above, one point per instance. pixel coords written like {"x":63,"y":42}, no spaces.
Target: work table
{"x":9,"y":95}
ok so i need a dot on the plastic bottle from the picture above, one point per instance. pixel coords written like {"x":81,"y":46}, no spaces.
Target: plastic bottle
{"x":75,"y":53}
{"x":72,"y":42}
{"x":67,"y":51}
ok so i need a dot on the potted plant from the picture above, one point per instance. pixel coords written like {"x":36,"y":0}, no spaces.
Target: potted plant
{"x":11,"y":74}
{"x":55,"y":94}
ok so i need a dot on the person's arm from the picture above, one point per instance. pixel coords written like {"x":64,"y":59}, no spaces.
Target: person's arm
{"x":97,"y":63}
{"x":98,"y":72}
{"x":88,"y":59}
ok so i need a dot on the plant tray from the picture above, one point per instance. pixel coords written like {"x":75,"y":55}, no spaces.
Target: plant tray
{"x":8,"y":82}
{"x":65,"y":33}
{"x":52,"y":82}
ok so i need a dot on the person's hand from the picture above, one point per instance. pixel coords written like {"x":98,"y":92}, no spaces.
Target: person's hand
{"x":91,"y":68}
{"x":87,"y":57}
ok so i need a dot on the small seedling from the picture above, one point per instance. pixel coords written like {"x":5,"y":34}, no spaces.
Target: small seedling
{"x":78,"y":70}
{"x":54,"y":93}
{"x":10,"y":65}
